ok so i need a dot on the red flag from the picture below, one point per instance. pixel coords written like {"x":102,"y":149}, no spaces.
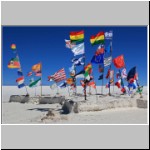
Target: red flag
{"x":119,"y":62}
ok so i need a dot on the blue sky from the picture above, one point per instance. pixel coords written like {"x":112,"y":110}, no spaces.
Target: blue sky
{"x":46,"y":44}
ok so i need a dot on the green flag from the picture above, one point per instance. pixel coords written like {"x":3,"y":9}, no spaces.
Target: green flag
{"x":35,"y":83}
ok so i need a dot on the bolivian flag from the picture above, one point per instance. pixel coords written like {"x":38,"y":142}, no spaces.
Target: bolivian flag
{"x":14,"y":63}
{"x":97,"y":39}
{"x":77,"y":36}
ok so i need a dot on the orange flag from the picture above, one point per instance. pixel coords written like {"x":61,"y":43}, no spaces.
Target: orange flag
{"x":119,"y":62}
{"x":36,"y":68}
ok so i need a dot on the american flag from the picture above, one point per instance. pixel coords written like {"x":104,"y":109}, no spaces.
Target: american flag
{"x":59,"y":75}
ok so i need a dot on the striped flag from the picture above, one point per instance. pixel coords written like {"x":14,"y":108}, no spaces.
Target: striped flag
{"x":107,"y":61}
{"x":20,"y":82}
{"x":29,"y":74}
{"x":38,"y":74}
{"x":59,"y":75}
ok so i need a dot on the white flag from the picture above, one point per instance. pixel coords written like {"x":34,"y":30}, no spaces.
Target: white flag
{"x":108,"y":35}
{"x":78,"y":49}
{"x":123,"y":73}
{"x":53,"y":86}
{"x":107,"y":61}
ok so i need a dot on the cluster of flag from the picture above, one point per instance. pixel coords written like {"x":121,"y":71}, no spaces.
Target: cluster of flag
{"x":14,"y":63}
{"x":36,"y":71}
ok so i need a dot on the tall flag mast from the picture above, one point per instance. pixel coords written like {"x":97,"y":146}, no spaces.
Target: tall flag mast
{"x":15,"y":64}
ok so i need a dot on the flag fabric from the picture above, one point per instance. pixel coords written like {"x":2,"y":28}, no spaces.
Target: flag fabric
{"x":123,"y":90}
{"x":72,"y":86}
{"x":78,"y":62}
{"x":20,"y":80}
{"x":101,"y":68}
{"x":50,"y":78}
{"x":77,"y":36}
{"x":92,"y":84}
{"x":123,"y":73}
{"x":71,"y":69}
{"x":38,"y":73}
{"x":62,"y":85}
{"x":111,"y":74}
{"x":107,"y":61}
{"x":131,"y":74}
{"x":108,"y":35}
{"x":53,"y":86}
{"x":29,"y":73}
{"x":36,"y":67}
{"x":108,"y":74}
{"x":99,"y":51}
{"x":82,"y":83}
{"x":72,"y":74}
{"x":35,"y":83}
{"x":118,"y":83}
{"x":118,"y":75}
{"x":97,"y":59}
{"x":80,"y":74}
{"x":97,"y":39}
{"x":139,"y":90}
{"x":100,"y":77}
{"x":111,"y":81}
{"x":69,"y":44}
{"x":88,"y":68}
{"x":21,"y":85}
{"x":108,"y":85}
{"x":59,"y":75}
{"x":119,"y":62}
{"x":14,"y":63}
{"x":20,"y":73}
{"x":69,"y":81}
{"x":78,"y":49}
{"x":13,"y":46}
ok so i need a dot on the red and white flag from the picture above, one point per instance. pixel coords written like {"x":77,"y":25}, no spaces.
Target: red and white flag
{"x":29,"y":74}
{"x":123,"y":73}
{"x":59,"y":75}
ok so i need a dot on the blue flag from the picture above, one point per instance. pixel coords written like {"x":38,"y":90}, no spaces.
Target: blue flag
{"x":131,"y":73}
{"x":21,"y":85}
{"x":98,"y":59}
{"x":19,"y":72}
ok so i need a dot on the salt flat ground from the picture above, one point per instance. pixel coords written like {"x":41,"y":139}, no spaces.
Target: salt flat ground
{"x":28,"y":113}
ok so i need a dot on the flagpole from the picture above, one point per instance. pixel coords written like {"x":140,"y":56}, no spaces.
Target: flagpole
{"x":21,"y":70}
{"x":75,"y":81}
{"x":84,"y":80}
{"x":41,"y":78}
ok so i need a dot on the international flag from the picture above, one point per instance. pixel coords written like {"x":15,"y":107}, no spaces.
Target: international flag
{"x":35,"y":83}
{"x":80,"y":74}
{"x":99,"y":51}
{"x":78,"y":49}
{"x":100,"y":77}
{"x":111,"y":74}
{"x":123,"y":73}
{"x":14,"y":63}
{"x":97,"y":39}
{"x":88,"y":68}
{"x":108,"y":35}
{"x":36,"y":67}
{"x":20,"y":82}
{"x":108,"y":74}
{"x":29,"y":74}
{"x":139,"y":89}
{"x":118,"y":75}
{"x":62,"y":85}
{"x":50,"y":78}
{"x":108,"y":85}
{"x":97,"y":59}
{"x":38,"y":73}
{"x":92,"y":84}
{"x":82,"y":83}
{"x":69,"y":44}
{"x":59,"y":75}
{"x":107,"y":61}
{"x":69,"y":80}
{"x":111,"y":81}
{"x":20,"y":73}
{"x":119,"y":62}
{"x":77,"y":36}
{"x":131,"y":74}
{"x":78,"y":61}
{"x":13,"y":46}
{"x":118,"y":83}
{"x":123,"y":90}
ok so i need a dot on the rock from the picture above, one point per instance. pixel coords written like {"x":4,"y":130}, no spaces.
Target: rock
{"x":141,"y":103}
{"x":51,"y":100}
{"x":70,"y":106}
{"x":19,"y":98}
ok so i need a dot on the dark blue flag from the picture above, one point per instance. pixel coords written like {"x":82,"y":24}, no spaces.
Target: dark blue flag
{"x":98,"y":59}
{"x":131,"y":73}
{"x":19,"y":72}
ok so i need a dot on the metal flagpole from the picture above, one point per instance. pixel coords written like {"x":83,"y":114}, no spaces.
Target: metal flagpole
{"x":84,"y":80}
